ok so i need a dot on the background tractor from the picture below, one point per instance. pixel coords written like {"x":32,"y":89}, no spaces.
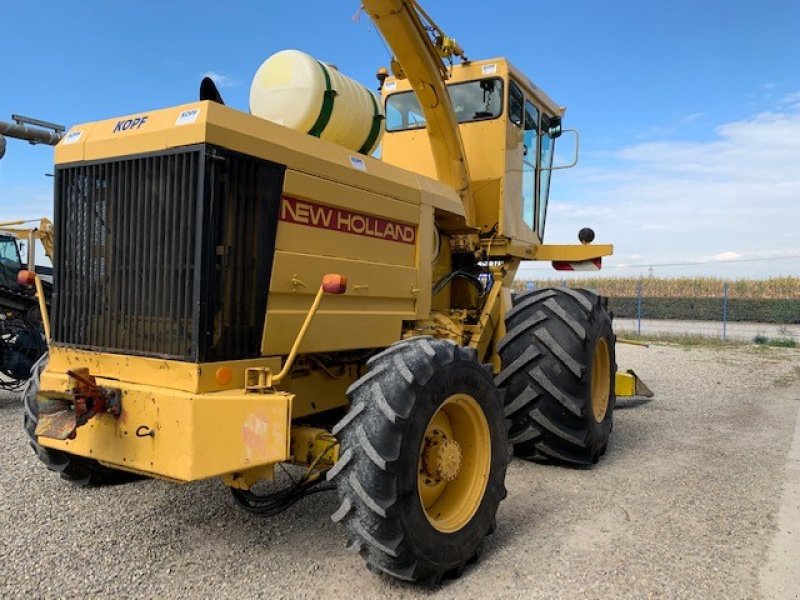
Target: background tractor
{"x":21,"y":328}
{"x":234,"y":291}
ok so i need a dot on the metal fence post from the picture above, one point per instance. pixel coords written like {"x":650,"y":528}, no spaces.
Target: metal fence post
{"x":639,"y":308}
{"x":725,"y":312}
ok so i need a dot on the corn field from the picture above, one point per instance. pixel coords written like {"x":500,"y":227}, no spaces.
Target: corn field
{"x":775,"y":288}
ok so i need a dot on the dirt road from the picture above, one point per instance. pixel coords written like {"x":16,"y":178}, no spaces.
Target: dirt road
{"x":689,"y":502}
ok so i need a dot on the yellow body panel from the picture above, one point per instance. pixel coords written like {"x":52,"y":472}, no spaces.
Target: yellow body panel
{"x":160,"y":373}
{"x":195,"y":436}
{"x":571,"y":252}
{"x":385,"y":284}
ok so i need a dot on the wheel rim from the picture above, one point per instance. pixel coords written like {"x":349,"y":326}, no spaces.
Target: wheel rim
{"x":454,"y":463}
{"x":601,"y":383}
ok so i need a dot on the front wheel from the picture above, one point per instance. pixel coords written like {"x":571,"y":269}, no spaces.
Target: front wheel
{"x":423,"y":460}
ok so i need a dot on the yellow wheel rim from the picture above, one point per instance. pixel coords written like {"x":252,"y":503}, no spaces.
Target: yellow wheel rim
{"x":601,"y":382}
{"x":454,"y":463}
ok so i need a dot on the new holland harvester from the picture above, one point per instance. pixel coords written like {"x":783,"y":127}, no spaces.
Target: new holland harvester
{"x":233,"y":291}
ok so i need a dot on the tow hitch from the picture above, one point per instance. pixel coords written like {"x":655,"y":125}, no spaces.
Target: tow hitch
{"x":61,"y":413}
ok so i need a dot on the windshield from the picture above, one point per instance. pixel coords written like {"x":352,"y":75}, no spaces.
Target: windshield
{"x":472,"y":101}
{"x":9,"y":261}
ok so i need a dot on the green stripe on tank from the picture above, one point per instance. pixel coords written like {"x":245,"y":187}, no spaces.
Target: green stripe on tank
{"x":376,"y":126}
{"x":327,"y":105}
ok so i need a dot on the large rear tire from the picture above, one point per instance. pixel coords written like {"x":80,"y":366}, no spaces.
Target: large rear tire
{"x":423,"y":460}
{"x":558,"y":369}
{"x":76,"y":469}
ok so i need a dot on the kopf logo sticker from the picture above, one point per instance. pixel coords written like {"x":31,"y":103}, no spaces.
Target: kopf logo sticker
{"x":127,"y":124}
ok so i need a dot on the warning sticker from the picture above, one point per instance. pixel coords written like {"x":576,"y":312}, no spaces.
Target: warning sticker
{"x":489,"y":69}
{"x":358,"y":163}
{"x":390,"y":85}
{"x":188,"y":117}
{"x":72,"y":137}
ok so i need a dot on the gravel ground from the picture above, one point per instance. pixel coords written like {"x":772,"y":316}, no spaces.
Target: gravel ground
{"x":683,"y":505}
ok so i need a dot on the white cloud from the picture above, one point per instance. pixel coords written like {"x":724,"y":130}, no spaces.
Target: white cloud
{"x":735,"y":196}
{"x":723,"y":256}
{"x":691,"y":118}
{"x":791,"y":101}
{"x":223,"y":80}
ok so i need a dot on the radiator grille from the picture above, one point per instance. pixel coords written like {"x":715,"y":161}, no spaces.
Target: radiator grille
{"x":245,"y":198}
{"x":152,"y":250}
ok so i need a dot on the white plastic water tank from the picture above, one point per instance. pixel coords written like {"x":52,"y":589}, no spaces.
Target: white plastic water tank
{"x":294,"y":89}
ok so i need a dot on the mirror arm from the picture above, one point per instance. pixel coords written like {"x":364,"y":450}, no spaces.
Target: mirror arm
{"x":575,"y":158}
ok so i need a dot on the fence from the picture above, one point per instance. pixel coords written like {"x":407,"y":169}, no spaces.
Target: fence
{"x":765,"y":311}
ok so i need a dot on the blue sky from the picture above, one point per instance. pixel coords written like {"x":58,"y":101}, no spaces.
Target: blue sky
{"x":689,"y":111}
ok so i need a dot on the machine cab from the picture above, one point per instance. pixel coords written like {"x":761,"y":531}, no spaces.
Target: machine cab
{"x":10,"y":261}
{"x":508,"y":127}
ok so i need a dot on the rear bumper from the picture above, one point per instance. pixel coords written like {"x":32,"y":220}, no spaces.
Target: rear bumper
{"x":194,"y":435}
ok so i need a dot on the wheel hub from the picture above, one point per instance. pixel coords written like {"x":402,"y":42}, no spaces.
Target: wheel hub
{"x":442,"y":459}
{"x":454,"y":463}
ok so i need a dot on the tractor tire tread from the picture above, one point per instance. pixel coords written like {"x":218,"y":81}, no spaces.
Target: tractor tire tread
{"x":546,"y":374}
{"x":83,"y":472}
{"x":371,"y":436}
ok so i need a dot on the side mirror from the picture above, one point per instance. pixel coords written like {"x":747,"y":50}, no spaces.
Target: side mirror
{"x":553,"y":127}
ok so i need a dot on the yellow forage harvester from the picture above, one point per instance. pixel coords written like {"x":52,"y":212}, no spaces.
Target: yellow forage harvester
{"x":238,"y":290}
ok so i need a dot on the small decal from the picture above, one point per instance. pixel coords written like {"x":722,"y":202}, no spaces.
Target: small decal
{"x":72,"y":137}
{"x":128,"y":124}
{"x":302,"y":212}
{"x":188,"y":116}
{"x":390,"y":85}
{"x":489,"y":69}
{"x":358,"y":163}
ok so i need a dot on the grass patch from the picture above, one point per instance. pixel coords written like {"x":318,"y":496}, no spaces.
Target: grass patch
{"x":779,"y":342}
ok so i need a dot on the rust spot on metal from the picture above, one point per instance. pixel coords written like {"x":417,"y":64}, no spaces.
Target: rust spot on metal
{"x":61,"y":413}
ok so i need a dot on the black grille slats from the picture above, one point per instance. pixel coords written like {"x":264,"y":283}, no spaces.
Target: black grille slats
{"x":245,"y":199}
{"x":125,"y":265}
{"x":167,"y":254}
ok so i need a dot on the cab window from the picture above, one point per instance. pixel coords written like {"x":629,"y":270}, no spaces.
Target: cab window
{"x":9,"y":254}
{"x":545,"y":165}
{"x":480,"y":100}
{"x":529,"y":139}
{"x":516,"y":101}
{"x":403,"y":112}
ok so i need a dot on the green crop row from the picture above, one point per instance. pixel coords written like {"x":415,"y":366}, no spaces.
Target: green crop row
{"x":774,"y":288}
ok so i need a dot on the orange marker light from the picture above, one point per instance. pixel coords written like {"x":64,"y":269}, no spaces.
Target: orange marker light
{"x":223,"y":375}
{"x":334,"y":284}
{"x":26,"y":277}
